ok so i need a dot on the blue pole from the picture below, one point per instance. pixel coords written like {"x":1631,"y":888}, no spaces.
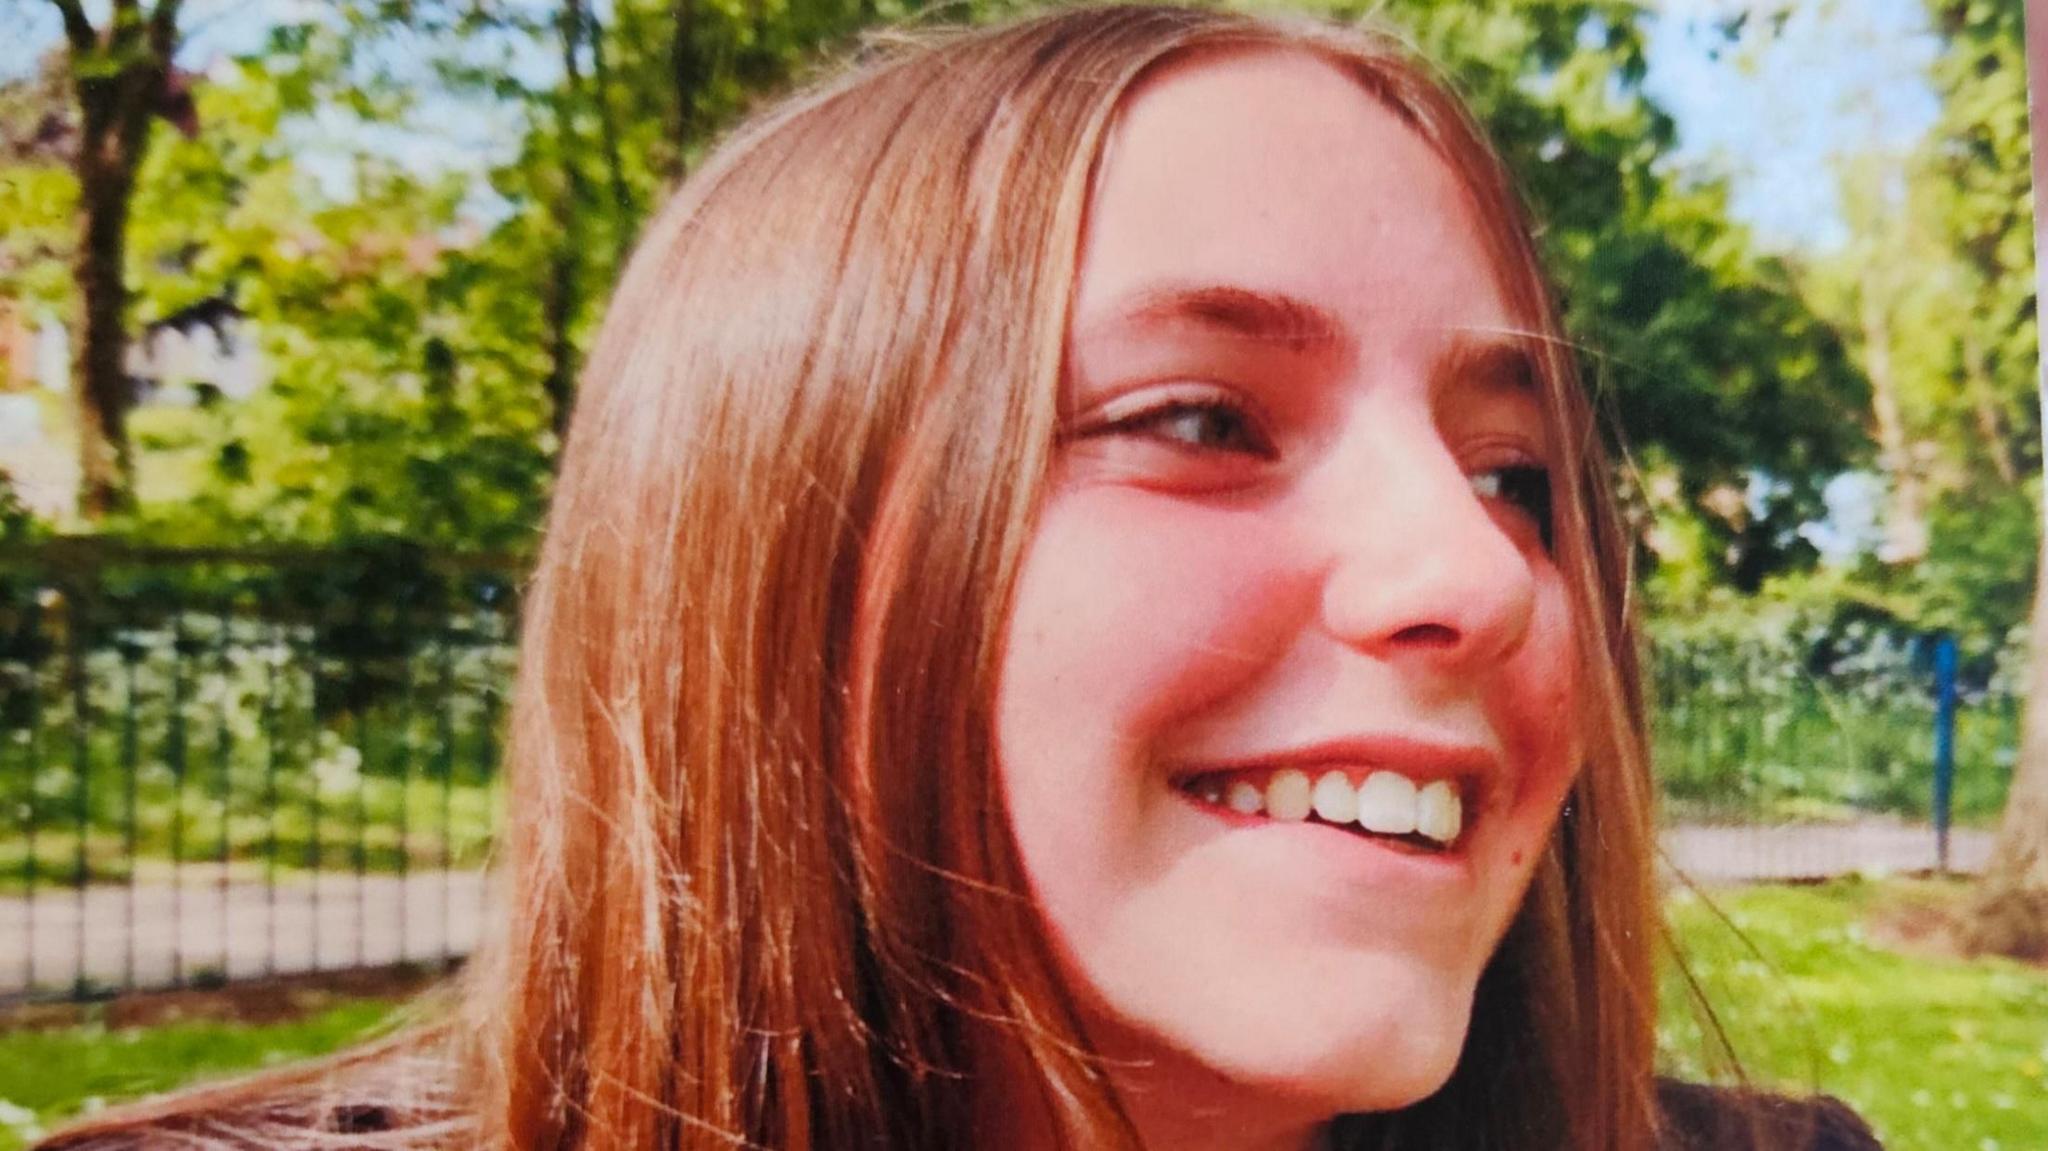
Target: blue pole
{"x":1944,"y":743}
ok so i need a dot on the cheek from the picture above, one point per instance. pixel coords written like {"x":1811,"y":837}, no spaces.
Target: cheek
{"x":1538,"y":700}
{"x":1128,"y":614}
{"x":1131,"y":612}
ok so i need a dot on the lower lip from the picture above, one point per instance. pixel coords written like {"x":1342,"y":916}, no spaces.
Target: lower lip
{"x":1359,"y":858}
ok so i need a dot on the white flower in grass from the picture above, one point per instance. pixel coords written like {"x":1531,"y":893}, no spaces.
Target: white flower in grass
{"x":338,"y":771}
{"x":20,"y":1120}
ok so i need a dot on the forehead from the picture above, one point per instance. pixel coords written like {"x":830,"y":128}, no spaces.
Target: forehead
{"x":1273,"y":170}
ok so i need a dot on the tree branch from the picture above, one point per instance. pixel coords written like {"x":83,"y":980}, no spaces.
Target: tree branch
{"x":77,"y":28}
{"x":163,"y":29}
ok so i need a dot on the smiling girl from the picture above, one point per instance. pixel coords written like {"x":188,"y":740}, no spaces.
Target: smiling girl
{"x":1082,"y":609}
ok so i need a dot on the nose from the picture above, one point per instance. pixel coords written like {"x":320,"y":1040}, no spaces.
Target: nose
{"x":1418,"y":568}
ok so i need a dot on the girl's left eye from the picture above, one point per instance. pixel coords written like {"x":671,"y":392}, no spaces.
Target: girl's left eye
{"x":1526,"y":487}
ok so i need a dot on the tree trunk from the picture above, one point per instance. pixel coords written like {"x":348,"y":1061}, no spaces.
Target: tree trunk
{"x":1905,"y":526}
{"x":121,"y":79}
{"x":608,"y":132}
{"x":1984,"y":405}
{"x":2009,"y":915}
{"x":114,"y":130}
{"x":683,"y":75}
{"x":561,"y":298}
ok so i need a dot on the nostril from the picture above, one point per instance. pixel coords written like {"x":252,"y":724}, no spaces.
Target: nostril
{"x":1434,"y":635}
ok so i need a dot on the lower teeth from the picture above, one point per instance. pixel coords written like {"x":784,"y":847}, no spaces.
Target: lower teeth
{"x":1413,"y":839}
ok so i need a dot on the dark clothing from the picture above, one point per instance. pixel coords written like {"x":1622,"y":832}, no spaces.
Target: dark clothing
{"x":1699,"y":1118}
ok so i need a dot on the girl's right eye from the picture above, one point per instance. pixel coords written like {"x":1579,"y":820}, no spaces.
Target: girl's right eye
{"x":1201,"y":424}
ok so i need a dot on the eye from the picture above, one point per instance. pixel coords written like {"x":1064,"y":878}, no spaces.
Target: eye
{"x":1525,"y":487}
{"x":1195,"y":423}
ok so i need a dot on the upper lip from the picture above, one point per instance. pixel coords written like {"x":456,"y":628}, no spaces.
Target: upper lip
{"x":1472,"y":766}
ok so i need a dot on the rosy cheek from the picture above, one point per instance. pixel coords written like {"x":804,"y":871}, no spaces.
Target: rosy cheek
{"x":1146,"y":608}
{"x":1539,"y":702}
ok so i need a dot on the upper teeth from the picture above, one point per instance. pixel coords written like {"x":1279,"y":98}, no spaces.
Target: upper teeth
{"x":1386,"y":802}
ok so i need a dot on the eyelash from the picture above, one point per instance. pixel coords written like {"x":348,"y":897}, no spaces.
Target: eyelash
{"x":1525,"y":486}
{"x":1244,"y":434}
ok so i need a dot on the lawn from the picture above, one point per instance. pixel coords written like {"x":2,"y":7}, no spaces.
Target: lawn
{"x":1939,"y":1054}
{"x":49,"y":1074}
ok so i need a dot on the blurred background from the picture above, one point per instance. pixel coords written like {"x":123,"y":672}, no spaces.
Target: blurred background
{"x":292,"y":300}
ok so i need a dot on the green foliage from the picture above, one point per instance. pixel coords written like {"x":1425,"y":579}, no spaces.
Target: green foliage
{"x":1976,"y":184}
{"x":1938,"y":279}
{"x":37,"y":192}
{"x":1815,"y":701}
{"x":1978,"y":577}
{"x":389,"y":409}
{"x":1981,"y":163}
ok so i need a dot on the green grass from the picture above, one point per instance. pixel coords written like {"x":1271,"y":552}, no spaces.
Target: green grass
{"x":49,"y":1075}
{"x":1938,"y":1054}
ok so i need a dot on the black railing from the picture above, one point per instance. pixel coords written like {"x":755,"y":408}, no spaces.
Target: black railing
{"x":233,"y":763}
{"x":222,"y":765}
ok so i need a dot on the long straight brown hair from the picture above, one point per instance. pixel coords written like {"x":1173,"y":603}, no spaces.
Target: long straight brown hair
{"x":758,"y":886}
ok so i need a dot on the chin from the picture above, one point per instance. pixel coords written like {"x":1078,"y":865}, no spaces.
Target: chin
{"x":1385,"y":1033}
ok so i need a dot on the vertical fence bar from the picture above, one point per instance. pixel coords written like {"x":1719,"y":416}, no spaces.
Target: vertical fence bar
{"x":81,"y":758}
{"x":174,"y":754}
{"x":444,"y":755}
{"x":271,"y":658}
{"x":488,"y":750}
{"x":131,"y":653}
{"x":313,"y":788}
{"x":360,"y":690}
{"x":1944,"y":744}
{"x":224,"y":781}
{"x":405,"y":717}
{"x":33,"y":655}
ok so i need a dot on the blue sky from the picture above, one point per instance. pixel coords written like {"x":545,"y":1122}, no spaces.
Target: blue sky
{"x":1843,"y":76}
{"x":1768,"y":113}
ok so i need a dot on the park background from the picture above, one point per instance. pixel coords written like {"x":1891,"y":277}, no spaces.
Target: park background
{"x":293,"y":294}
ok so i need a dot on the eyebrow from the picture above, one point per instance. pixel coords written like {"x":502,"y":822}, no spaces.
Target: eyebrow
{"x":1486,"y":358}
{"x":1237,"y":313}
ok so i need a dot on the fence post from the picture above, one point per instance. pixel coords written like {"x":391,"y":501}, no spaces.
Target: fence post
{"x":1944,"y":743}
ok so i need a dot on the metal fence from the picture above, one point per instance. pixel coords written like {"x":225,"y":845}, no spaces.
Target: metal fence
{"x":1805,"y":753}
{"x":231,"y":764}
{"x":227,"y":765}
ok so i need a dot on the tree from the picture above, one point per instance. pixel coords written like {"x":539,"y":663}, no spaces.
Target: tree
{"x":123,"y":80}
{"x":1982,"y":76}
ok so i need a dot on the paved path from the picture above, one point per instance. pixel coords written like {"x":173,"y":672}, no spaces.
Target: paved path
{"x":212,"y":924}
{"x":200,"y":929}
{"x":1746,"y":854}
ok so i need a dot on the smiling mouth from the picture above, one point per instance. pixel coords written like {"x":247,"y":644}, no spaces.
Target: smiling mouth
{"x":1382,"y":805}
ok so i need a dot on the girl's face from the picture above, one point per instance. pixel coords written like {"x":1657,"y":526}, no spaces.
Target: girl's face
{"x":1291,"y":573}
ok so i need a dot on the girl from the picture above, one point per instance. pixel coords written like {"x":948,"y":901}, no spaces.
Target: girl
{"x":1082,"y":609}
